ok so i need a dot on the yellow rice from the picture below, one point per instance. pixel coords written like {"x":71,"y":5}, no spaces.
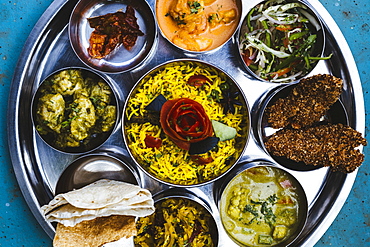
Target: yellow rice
{"x":170,"y":163}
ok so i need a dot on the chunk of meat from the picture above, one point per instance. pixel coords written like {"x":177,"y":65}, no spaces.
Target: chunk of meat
{"x":222,"y":17}
{"x":51,"y":111}
{"x":189,"y":16}
{"x":82,"y":118}
{"x":67,"y":82}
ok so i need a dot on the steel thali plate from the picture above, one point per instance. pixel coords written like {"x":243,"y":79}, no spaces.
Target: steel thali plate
{"x":38,"y":167}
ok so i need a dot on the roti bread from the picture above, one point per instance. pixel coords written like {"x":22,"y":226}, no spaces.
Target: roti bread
{"x":99,"y":199}
{"x":99,"y":194}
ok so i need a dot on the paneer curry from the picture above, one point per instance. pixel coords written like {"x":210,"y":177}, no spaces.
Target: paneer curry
{"x":200,"y":25}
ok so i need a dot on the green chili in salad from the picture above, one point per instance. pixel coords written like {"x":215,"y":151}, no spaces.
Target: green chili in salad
{"x":279,"y":43}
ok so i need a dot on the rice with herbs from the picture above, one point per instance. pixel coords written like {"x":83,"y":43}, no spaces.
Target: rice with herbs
{"x":169,"y":162}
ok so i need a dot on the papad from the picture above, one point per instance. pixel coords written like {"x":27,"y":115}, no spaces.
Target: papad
{"x":96,"y":232}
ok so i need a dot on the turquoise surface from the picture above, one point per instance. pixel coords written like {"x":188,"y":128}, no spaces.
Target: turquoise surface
{"x":17,"y":224}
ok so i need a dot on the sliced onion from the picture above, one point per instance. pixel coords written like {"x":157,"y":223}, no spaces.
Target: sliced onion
{"x":256,"y":17}
{"x":254,"y":53}
{"x":262,"y":46}
{"x":282,"y":19}
{"x":288,"y":6}
{"x":289,"y":78}
{"x":295,"y":30}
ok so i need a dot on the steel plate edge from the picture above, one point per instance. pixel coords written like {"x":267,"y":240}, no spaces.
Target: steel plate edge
{"x":23,"y":62}
{"x":12,"y":113}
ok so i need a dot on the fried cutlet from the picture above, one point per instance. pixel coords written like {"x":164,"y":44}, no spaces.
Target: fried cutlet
{"x":306,"y":103}
{"x":327,"y":145}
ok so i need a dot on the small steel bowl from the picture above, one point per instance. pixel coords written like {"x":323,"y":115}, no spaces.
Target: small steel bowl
{"x":93,"y":167}
{"x":239,"y":177}
{"x":95,"y":138}
{"x":169,"y":29}
{"x":317,"y":49}
{"x":132,"y":142}
{"x":119,"y":60}
{"x":188,"y":197}
{"x":336,"y":114}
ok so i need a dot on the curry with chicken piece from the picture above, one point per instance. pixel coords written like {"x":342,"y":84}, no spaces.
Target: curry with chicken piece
{"x":200,"y":25}
{"x":73,"y":108}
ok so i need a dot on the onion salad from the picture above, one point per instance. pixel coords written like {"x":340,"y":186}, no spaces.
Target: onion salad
{"x":279,"y":43}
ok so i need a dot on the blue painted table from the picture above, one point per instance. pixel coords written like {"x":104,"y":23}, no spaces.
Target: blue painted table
{"x":17,"y":224}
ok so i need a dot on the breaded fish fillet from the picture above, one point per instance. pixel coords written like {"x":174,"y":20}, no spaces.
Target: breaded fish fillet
{"x":307,"y":102}
{"x":327,"y":145}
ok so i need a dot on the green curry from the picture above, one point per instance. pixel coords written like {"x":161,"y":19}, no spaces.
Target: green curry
{"x":73,"y":108}
{"x":260,"y":207}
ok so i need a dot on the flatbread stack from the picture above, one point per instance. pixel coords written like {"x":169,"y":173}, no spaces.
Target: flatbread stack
{"x":99,"y":213}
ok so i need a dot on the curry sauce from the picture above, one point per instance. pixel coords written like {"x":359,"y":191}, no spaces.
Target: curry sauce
{"x":260,"y":207}
{"x":200,"y":25}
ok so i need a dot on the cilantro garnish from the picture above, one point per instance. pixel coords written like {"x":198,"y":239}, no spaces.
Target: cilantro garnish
{"x":194,"y":7}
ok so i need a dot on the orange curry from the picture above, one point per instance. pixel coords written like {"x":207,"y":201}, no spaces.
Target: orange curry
{"x":197,"y":25}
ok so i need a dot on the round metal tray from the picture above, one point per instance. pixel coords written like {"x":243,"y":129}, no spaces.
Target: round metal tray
{"x":38,"y":167}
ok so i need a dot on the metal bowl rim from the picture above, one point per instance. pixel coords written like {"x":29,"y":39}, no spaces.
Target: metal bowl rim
{"x":302,"y":194}
{"x":134,"y":174}
{"x":183,"y":193}
{"x":179,"y":60}
{"x":261,"y":111}
{"x":88,"y":70}
{"x":239,"y":3}
{"x":86,"y":62}
{"x":251,"y":72}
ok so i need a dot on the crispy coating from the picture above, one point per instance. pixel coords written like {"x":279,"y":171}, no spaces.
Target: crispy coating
{"x":327,"y":145}
{"x":306,"y":103}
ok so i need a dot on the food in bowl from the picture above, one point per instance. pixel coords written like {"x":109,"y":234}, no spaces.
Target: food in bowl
{"x":200,"y":25}
{"x":306,"y":103}
{"x":331,"y":145}
{"x":113,"y":30}
{"x":281,"y":41}
{"x":176,"y":222}
{"x":263,"y":206}
{"x":123,"y":34}
{"x":301,"y":135}
{"x":186,"y":123}
{"x":74,"y":110}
